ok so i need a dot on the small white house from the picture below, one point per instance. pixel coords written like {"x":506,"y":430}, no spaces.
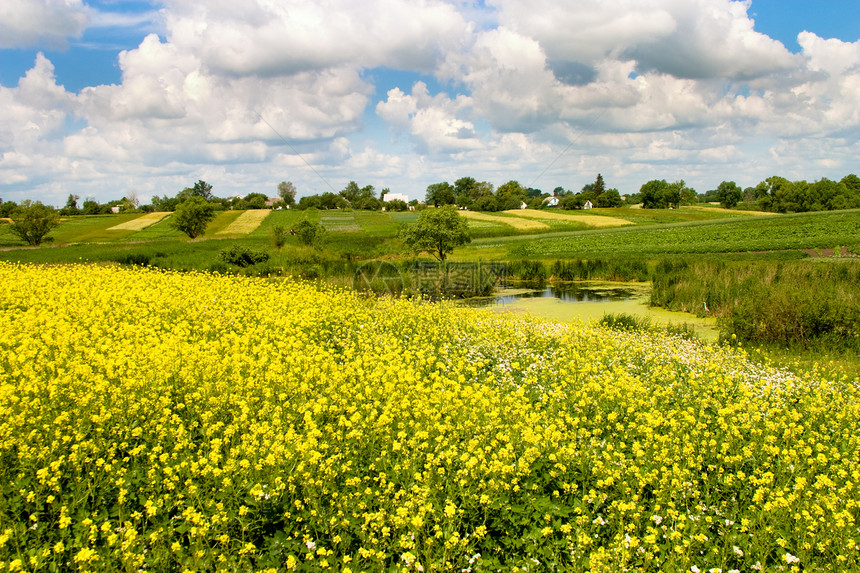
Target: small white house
{"x":393,"y":196}
{"x":523,"y":205}
{"x":551,"y":201}
{"x":588,"y":205}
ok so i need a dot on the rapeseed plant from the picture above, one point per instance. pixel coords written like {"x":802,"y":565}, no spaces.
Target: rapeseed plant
{"x":165,"y":421}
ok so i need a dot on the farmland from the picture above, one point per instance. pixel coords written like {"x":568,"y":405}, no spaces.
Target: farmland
{"x":528,"y":245}
{"x":168,"y":421}
{"x":749,"y":234}
{"x":618,"y":233}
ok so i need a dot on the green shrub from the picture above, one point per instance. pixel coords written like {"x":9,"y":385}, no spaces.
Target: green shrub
{"x":243,"y":256}
{"x":309,"y":233}
{"x":138,"y":259}
{"x":624,"y":321}
{"x":279,"y":236}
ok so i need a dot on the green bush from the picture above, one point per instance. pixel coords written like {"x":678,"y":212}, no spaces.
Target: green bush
{"x":243,"y":256}
{"x":279,"y":236}
{"x":624,"y":321}
{"x":309,"y":233}
{"x":138,"y":259}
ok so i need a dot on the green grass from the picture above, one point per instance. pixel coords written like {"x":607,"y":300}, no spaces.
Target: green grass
{"x":339,"y":221}
{"x":381,"y":224}
{"x":85,"y":228}
{"x":286,"y":218}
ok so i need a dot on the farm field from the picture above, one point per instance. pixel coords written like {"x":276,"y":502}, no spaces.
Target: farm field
{"x":168,"y":421}
{"x":381,"y":225}
{"x":518,"y":223}
{"x":739,"y":235}
{"x":141,"y":223}
{"x":246,"y":222}
{"x":362,"y":235}
{"x":595,"y":221}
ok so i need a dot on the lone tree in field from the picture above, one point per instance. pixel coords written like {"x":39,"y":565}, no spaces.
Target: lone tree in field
{"x":192,"y":216}
{"x":729,"y":194}
{"x":437,"y":232}
{"x":33,"y":221}
{"x":287,"y":192}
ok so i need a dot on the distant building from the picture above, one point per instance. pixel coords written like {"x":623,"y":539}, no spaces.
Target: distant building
{"x":588,"y":205}
{"x":551,"y":201}
{"x":393,"y":196}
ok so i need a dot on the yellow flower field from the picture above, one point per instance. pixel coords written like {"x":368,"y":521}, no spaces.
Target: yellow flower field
{"x":159,"y":421}
{"x":590,"y":220}
{"x":246,"y":222}
{"x":142,"y":222}
{"x":517,"y":223}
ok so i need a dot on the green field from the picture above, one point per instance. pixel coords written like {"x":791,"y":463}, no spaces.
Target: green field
{"x":655,"y":232}
{"x":823,"y":230}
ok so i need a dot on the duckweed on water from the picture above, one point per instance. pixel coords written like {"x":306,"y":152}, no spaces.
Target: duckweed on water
{"x":156,"y":421}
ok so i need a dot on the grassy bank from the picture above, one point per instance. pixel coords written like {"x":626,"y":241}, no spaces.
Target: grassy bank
{"x":803,"y":304}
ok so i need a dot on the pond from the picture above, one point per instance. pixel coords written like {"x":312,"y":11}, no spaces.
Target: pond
{"x":589,"y":301}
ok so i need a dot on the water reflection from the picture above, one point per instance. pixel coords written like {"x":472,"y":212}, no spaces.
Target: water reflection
{"x":587,"y":292}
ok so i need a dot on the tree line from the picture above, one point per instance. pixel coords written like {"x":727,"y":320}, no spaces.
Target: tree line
{"x":196,"y":205}
{"x":779,"y":195}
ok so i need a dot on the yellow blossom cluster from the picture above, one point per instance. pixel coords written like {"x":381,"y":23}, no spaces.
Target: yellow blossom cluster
{"x":161,"y":421}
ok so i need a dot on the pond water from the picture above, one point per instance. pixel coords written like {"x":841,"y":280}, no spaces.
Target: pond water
{"x":589,"y":301}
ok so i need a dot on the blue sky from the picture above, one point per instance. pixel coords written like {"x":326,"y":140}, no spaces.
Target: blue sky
{"x":399,"y":95}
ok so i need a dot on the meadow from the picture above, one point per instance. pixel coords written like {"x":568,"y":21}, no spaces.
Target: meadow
{"x":154,"y":420}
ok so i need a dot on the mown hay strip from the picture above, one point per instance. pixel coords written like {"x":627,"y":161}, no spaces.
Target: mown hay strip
{"x":141,"y":223}
{"x":517,"y":223}
{"x":590,"y":220}
{"x":245,"y":223}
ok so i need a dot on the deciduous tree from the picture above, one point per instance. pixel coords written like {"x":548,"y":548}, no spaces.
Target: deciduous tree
{"x":33,"y":221}
{"x":729,"y":194}
{"x":192,"y":216}
{"x":437,"y":231}
{"x":287,"y":192}
{"x":440,"y":194}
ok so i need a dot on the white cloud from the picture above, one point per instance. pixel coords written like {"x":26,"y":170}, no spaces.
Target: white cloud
{"x":433,"y":122}
{"x":684,"y":38}
{"x":35,"y":111}
{"x":41,"y":23}
{"x":267,"y":38}
{"x":634,"y":89}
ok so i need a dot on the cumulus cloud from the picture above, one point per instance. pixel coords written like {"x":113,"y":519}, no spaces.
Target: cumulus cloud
{"x":432,"y":121}
{"x":685,"y":38}
{"x":265,"y":38}
{"x":631,"y":88}
{"x":35,"y":111}
{"x":41,"y":23}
